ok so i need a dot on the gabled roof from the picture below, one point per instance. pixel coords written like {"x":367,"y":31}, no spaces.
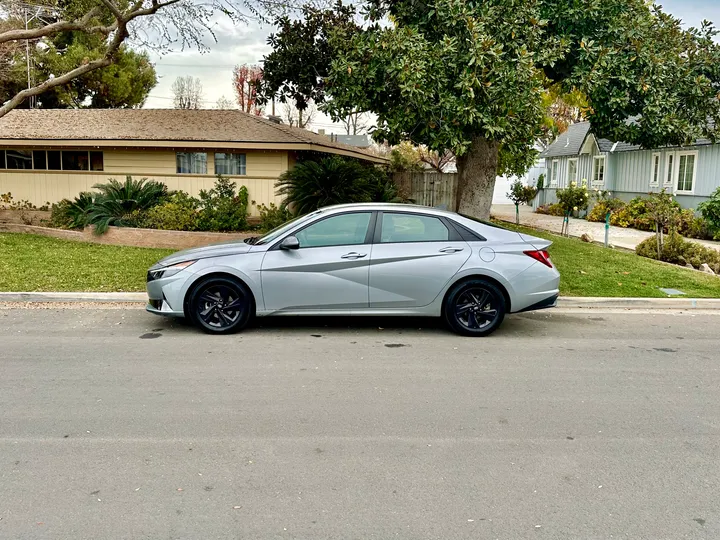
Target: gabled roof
{"x":118,"y":127}
{"x":570,"y":142}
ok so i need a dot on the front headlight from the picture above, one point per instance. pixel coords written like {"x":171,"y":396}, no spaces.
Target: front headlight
{"x":169,"y":271}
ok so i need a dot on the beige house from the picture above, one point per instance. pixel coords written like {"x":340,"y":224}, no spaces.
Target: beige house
{"x":51,"y":154}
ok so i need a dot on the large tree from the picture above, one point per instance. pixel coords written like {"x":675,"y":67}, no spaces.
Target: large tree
{"x":470,"y":76}
{"x":245,"y":79}
{"x":187,"y":92}
{"x":159,"y":24}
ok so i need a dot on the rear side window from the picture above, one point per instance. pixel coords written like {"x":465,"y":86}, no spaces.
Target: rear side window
{"x":401,"y":227}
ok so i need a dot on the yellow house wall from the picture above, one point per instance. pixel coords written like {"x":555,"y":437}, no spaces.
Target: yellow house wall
{"x":41,"y":187}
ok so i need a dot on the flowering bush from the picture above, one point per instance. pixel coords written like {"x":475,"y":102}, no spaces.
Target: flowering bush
{"x":573,"y":198}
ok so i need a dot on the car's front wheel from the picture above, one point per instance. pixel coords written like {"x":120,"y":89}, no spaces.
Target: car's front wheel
{"x":220,"y":305}
{"x":474,"y":308}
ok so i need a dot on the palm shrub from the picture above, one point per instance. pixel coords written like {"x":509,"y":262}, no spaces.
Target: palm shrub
{"x":334,"y":180}
{"x":73,"y":214}
{"x":118,"y":201}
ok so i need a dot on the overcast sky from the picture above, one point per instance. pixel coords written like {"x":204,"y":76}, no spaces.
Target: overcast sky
{"x":247,"y":44}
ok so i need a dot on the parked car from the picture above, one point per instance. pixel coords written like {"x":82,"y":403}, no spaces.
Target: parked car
{"x":361,"y":259}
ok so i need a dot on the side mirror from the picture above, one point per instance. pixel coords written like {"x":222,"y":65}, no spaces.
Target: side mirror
{"x":290,"y":242}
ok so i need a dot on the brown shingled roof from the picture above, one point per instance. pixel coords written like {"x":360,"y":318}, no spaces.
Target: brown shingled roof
{"x":168,"y":125}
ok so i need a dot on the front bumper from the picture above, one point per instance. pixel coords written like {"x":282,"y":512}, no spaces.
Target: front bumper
{"x":166,"y":295}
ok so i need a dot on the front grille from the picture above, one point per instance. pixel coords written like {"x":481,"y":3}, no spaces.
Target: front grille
{"x":156,"y":304}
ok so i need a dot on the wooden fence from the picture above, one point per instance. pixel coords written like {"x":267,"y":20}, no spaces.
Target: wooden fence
{"x":428,"y":188}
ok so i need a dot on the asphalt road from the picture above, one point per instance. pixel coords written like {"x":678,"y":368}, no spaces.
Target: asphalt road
{"x":118,"y":424}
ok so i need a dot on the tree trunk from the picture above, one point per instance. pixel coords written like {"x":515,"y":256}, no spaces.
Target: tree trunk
{"x":477,"y":170}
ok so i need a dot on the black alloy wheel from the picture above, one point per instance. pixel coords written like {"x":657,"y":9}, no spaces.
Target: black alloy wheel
{"x":221,"y":306}
{"x":474,"y":308}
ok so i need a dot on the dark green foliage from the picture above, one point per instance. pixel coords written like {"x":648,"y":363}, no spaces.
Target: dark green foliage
{"x":117,"y":201}
{"x":710,"y":210}
{"x":178,"y":213}
{"x":677,"y":250}
{"x":313,"y":184}
{"x":223,"y":208}
{"x":73,"y":214}
{"x":272,"y":216}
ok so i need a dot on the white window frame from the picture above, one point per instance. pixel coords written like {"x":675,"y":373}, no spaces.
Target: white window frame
{"x":669,"y":178}
{"x":554,"y":173}
{"x":570,"y":180}
{"x":655,"y":178}
{"x":676,"y":172}
{"x":594,"y":183}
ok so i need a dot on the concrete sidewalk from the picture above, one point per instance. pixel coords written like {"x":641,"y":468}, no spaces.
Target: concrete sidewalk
{"x":619,"y":236}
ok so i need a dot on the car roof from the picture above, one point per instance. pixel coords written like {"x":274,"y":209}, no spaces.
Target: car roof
{"x":390,"y":207}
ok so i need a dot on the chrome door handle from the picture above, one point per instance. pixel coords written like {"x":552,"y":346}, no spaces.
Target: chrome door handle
{"x":450,"y":250}
{"x":354,"y":255}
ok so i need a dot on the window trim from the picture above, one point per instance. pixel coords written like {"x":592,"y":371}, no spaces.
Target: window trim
{"x":676,"y":172}
{"x":669,"y":179}
{"x":369,"y":235}
{"x":656,"y":159}
{"x":593,"y":182}
{"x":555,"y":164}
{"x":453,"y":234}
{"x":577,"y":164}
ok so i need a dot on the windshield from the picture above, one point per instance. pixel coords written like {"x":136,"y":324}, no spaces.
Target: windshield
{"x":282,"y":229}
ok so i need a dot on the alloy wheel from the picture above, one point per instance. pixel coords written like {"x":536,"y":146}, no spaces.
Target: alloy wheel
{"x":475,"y":308}
{"x":220,"y":307}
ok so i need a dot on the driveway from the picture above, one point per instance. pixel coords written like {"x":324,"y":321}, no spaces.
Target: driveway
{"x":619,"y":236}
{"x":117,"y":424}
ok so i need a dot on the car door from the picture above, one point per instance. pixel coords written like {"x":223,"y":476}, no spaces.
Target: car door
{"x":329,"y":270}
{"x":413,"y":258}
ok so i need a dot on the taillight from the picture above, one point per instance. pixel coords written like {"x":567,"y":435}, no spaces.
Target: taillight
{"x":540,"y":256}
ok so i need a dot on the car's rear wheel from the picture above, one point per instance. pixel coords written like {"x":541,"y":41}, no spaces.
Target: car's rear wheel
{"x":220,"y":305}
{"x":474,"y":308}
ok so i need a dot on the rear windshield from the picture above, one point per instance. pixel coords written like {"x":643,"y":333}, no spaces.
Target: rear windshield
{"x":486,"y":222}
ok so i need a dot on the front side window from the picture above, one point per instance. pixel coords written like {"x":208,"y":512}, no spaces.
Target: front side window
{"x":191,"y":162}
{"x":599,"y":172}
{"x":229,"y":163}
{"x":655,"y":178}
{"x":342,"y":230}
{"x":572,"y":171}
{"x":686,"y":172}
{"x":412,"y":228}
{"x":19,"y":159}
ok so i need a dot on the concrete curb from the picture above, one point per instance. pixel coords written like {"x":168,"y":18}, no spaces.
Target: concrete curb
{"x":566,"y":302}
{"x":73,"y":297}
{"x":680,"y":303}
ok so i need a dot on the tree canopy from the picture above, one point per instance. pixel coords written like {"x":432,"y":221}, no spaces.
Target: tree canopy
{"x":471,"y":76}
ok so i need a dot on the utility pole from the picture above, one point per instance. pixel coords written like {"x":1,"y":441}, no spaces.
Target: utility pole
{"x":28,"y":20}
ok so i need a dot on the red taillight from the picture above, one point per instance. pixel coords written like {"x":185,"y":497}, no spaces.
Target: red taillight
{"x":540,"y":256}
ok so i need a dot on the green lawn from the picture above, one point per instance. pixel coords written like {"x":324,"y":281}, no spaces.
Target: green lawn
{"x":592,"y":270}
{"x":37,"y":263}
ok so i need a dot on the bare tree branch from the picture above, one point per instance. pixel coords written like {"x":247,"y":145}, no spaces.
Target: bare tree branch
{"x":82,"y":24}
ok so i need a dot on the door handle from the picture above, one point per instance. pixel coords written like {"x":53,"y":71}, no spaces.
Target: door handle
{"x":354,"y":255}
{"x":450,"y":250}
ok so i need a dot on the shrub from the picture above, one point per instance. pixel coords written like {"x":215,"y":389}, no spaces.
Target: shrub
{"x":223,"y":208}
{"x":272,"y":216}
{"x":313,"y":184}
{"x":73,"y":214}
{"x":710,"y":211}
{"x":550,"y":209}
{"x":117,"y":201}
{"x":572,"y":198}
{"x":677,"y":250}
{"x":178,"y":213}
{"x":520,"y":194}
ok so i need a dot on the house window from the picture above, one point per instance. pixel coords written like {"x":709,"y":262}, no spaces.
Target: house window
{"x":655,"y":178}
{"x":598,"y":171}
{"x":686,"y":172}
{"x":75,"y":160}
{"x":669,"y":170}
{"x":53,"y":160}
{"x":554,"y":173}
{"x":2,"y":159}
{"x":229,"y":163}
{"x":191,"y":162}
{"x":39,"y":159}
{"x":96,"y":161}
{"x":19,"y":159}
{"x":572,"y":171}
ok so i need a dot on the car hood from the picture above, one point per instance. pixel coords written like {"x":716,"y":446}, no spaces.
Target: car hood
{"x":234,"y":247}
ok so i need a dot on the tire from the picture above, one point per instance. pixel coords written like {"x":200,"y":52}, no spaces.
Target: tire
{"x":220,"y":305}
{"x":474,"y":308}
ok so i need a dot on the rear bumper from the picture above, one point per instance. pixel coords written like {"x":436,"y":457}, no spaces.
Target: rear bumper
{"x":549,"y":302}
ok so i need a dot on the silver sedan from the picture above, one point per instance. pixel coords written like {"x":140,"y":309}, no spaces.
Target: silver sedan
{"x":361,"y":259}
